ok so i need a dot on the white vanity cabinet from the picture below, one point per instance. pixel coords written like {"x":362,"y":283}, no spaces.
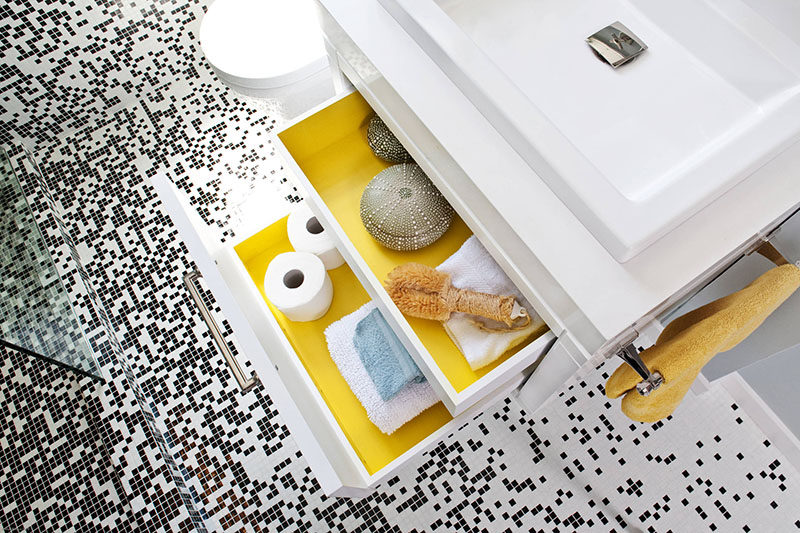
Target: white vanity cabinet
{"x":592,"y":303}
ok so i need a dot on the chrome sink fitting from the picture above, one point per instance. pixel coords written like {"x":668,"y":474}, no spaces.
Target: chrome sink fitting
{"x":616,"y":44}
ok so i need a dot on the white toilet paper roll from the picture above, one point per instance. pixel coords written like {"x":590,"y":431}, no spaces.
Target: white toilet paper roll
{"x":298,"y":285}
{"x":307,"y":235}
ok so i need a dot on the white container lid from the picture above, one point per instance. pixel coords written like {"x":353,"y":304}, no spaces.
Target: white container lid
{"x":277,"y":42}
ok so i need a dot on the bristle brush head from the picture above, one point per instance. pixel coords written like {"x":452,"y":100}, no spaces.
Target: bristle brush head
{"x":420,"y":304}
{"x":418,"y":277}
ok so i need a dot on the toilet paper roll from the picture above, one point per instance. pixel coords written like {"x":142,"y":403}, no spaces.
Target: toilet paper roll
{"x":299,"y":286}
{"x":307,"y":235}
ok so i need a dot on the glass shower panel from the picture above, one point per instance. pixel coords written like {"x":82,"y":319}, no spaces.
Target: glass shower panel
{"x":35,"y":311}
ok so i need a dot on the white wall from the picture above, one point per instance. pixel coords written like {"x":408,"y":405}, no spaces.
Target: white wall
{"x":768,"y":360}
{"x":780,"y":331}
{"x":777,"y":380}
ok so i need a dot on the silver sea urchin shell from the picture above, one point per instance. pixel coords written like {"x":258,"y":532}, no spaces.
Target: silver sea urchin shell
{"x":384,"y":144}
{"x":403,"y":210}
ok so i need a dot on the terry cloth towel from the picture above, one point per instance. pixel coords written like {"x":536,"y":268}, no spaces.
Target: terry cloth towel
{"x":690,"y":341}
{"x":388,"y":363}
{"x":386,"y":415}
{"x":471,"y":267}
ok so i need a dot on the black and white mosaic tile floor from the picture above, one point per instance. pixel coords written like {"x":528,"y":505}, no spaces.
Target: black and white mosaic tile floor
{"x":54,"y":472}
{"x":579,"y":464}
{"x":193,"y":453}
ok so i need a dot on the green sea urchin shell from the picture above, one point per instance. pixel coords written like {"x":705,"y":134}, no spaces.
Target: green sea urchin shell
{"x":384,"y":144}
{"x":403,"y":210}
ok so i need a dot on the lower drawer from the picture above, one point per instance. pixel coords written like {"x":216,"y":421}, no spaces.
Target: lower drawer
{"x":356,"y":453}
{"x":308,"y":352}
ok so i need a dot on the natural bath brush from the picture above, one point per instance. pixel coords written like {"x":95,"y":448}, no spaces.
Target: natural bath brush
{"x":383,"y":142}
{"x":424,"y":292}
{"x":403,"y":210}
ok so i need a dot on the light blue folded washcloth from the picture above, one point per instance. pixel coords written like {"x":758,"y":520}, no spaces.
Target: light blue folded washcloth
{"x":388,"y":363}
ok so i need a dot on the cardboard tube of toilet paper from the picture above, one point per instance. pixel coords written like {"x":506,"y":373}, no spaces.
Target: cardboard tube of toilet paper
{"x":299,"y":286}
{"x":307,"y":235}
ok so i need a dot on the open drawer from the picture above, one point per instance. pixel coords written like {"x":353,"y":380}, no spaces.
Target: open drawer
{"x":347,"y":454}
{"x":307,"y":353}
{"x":328,"y":152}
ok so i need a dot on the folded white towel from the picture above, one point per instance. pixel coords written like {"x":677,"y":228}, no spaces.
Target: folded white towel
{"x":387,"y":415}
{"x":471,"y":267}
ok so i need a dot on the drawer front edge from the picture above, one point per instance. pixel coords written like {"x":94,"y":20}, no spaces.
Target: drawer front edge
{"x":249,"y":343}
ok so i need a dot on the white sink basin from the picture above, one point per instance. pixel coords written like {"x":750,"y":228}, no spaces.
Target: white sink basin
{"x":635,"y":151}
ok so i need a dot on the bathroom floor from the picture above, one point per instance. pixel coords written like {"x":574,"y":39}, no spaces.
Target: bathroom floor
{"x":577,"y":464}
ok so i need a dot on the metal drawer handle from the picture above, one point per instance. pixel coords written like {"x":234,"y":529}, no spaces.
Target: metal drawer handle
{"x":244,"y":383}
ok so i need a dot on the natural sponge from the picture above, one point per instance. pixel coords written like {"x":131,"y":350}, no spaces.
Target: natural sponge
{"x":424,"y":292}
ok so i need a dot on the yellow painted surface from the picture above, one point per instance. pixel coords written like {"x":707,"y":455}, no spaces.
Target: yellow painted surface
{"x":375,"y":449}
{"x":331,"y":149}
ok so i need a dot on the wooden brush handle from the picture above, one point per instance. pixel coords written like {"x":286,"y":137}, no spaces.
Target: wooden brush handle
{"x":492,"y":306}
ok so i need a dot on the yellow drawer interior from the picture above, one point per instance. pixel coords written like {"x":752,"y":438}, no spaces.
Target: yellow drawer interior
{"x":375,"y":449}
{"x":330,"y":148}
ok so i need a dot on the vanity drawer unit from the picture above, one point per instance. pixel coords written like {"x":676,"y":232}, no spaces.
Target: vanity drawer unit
{"x":593,"y":304}
{"x":327,"y":153}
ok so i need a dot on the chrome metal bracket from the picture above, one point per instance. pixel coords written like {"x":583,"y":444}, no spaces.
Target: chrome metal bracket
{"x":650,"y":380}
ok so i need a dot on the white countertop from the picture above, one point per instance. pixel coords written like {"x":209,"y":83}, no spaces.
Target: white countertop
{"x":634,"y":151}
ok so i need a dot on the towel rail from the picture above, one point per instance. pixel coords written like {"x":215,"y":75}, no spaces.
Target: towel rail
{"x":768,"y":250}
{"x":653,"y":380}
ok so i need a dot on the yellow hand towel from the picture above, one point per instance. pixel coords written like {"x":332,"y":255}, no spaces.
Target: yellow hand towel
{"x":690,"y":341}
